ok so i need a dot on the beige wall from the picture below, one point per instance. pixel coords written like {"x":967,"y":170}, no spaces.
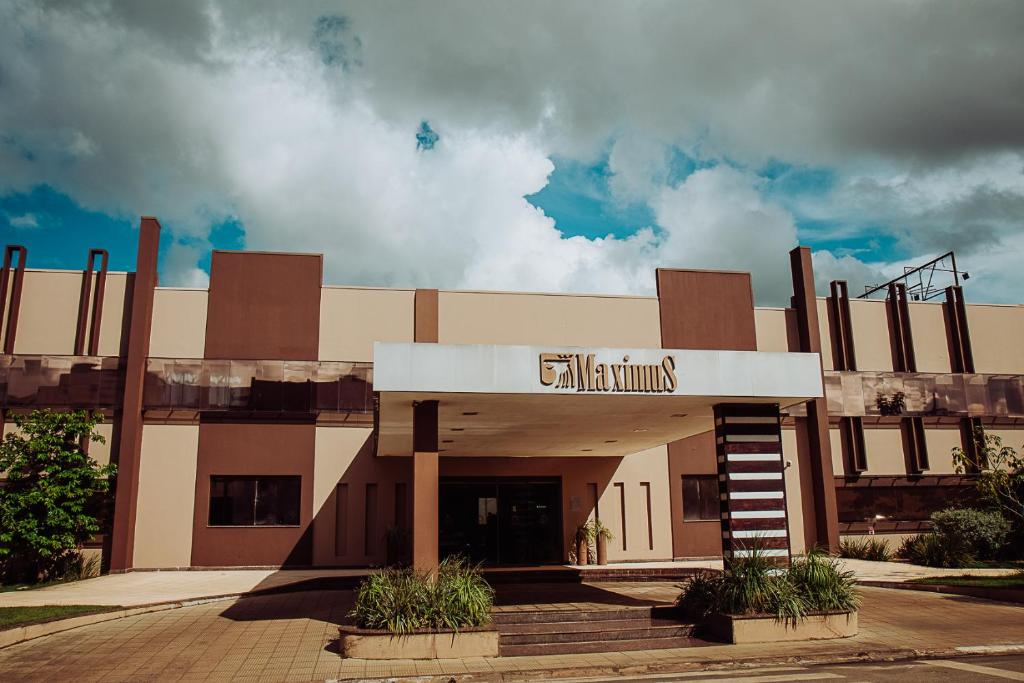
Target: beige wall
{"x":940,"y":443}
{"x":113,"y":337}
{"x":871,"y":334}
{"x":344,"y":455}
{"x":1011,"y":437}
{"x":179,"y":323}
{"x":794,"y":504}
{"x":928,"y":328}
{"x":835,"y":441}
{"x":167,"y":489}
{"x":48,"y":317}
{"x":647,"y":467}
{"x":537,"y":319}
{"x":351,"y":319}
{"x":771,"y":329}
{"x":100,"y":452}
{"x":884,"y":449}
{"x":996,"y":332}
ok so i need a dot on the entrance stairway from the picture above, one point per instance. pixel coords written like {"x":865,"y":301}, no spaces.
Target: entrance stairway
{"x":579,"y":631}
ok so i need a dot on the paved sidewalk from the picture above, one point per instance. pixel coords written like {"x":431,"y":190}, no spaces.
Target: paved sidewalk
{"x":146,"y":588}
{"x":152,"y":587}
{"x":901,"y":571}
{"x":290,"y":637}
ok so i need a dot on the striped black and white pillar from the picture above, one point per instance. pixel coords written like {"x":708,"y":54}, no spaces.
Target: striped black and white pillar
{"x":751,"y":479}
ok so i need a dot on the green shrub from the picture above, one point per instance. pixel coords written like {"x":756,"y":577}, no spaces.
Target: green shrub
{"x":873,"y":549}
{"x":753,"y":584}
{"x":757,"y":585}
{"x":822,"y":584}
{"x":460,"y":595}
{"x":933,"y":550}
{"x":983,"y":533}
{"x":404,"y":600}
{"x":699,"y":598}
{"x":54,"y":497}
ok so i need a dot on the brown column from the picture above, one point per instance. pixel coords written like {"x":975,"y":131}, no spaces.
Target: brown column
{"x":901,"y":341}
{"x":11,"y":329}
{"x":129,"y":446}
{"x":815,"y":425}
{"x":701,"y":309}
{"x":87,"y":339}
{"x":751,"y":479}
{"x":425,"y":311}
{"x":844,"y":357}
{"x":961,"y":359}
{"x":424,"y":487}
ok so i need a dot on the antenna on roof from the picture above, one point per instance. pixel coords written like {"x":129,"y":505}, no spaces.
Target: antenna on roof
{"x":922,"y":283}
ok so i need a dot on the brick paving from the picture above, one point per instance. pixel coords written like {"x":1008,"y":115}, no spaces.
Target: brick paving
{"x":290,"y":637}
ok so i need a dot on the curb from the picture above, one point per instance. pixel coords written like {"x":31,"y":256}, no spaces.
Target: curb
{"x":597,"y":672}
{"x":995,"y":594}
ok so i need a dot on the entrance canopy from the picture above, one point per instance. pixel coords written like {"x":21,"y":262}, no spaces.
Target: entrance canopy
{"x":571,"y":401}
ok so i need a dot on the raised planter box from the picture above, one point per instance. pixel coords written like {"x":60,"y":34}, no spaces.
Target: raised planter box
{"x":742,"y":629}
{"x":360,"y":643}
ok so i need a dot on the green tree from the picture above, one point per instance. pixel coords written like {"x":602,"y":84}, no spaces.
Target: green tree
{"x":1000,"y":475}
{"x":51,"y":501}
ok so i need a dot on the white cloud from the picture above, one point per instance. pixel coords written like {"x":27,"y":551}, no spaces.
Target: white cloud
{"x":718,"y":219}
{"x":221,"y":109}
{"x":25,"y":220}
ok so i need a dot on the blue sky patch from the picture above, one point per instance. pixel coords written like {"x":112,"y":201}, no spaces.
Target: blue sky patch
{"x":577,"y":196}
{"x":58,"y":232}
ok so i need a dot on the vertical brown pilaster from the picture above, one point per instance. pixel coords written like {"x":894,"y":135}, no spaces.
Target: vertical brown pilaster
{"x":87,"y":333}
{"x":129,"y":446}
{"x":700,"y":309}
{"x":751,"y":479}
{"x":844,"y":357}
{"x":425,"y":459}
{"x":961,"y":359}
{"x":425,"y":556}
{"x":425,"y":311}
{"x":901,"y":341}
{"x":815,"y":425}
{"x":11,"y":328}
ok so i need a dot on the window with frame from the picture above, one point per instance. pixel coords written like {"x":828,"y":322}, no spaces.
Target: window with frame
{"x":255,"y":501}
{"x":700,"y":498}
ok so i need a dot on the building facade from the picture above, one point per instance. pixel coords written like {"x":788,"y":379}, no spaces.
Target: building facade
{"x":272,"y":420}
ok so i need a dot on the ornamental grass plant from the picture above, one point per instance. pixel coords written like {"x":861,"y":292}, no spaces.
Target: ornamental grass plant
{"x":876,"y":550}
{"x":756,"y":585}
{"x":403,"y":600}
{"x":823,"y":584}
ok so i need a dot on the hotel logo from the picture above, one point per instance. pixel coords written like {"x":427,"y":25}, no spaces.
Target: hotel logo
{"x":581,"y":371}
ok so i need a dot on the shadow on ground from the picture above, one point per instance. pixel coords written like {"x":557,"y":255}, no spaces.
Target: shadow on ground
{"x":333,"y":605}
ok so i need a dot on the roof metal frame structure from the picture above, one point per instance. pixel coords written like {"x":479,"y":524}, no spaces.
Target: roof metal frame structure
{"x":920,"y":281}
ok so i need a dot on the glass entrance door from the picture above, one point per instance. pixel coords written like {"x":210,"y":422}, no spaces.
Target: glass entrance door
{"x":507,"y":521}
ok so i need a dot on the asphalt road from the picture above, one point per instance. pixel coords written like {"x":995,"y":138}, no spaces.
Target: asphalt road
{"x":988,"y":668}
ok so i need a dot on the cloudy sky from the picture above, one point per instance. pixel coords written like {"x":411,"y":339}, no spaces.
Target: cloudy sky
{"x":570,"y":146}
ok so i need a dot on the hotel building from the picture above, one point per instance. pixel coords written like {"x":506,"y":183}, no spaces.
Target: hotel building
{"x":275,"y":420}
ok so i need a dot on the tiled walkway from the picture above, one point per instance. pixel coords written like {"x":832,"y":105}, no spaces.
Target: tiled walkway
{"x":290,"y":637}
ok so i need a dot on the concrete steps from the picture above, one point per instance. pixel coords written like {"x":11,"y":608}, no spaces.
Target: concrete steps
{"x":584,"y":631}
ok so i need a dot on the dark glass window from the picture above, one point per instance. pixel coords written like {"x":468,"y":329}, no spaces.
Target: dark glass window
{"x":700,"y":498}
{"x":255,"y":501}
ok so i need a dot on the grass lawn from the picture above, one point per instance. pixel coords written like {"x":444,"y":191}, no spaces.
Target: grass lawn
{"x":1012,"y":581}
{"x":19,"y":616}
